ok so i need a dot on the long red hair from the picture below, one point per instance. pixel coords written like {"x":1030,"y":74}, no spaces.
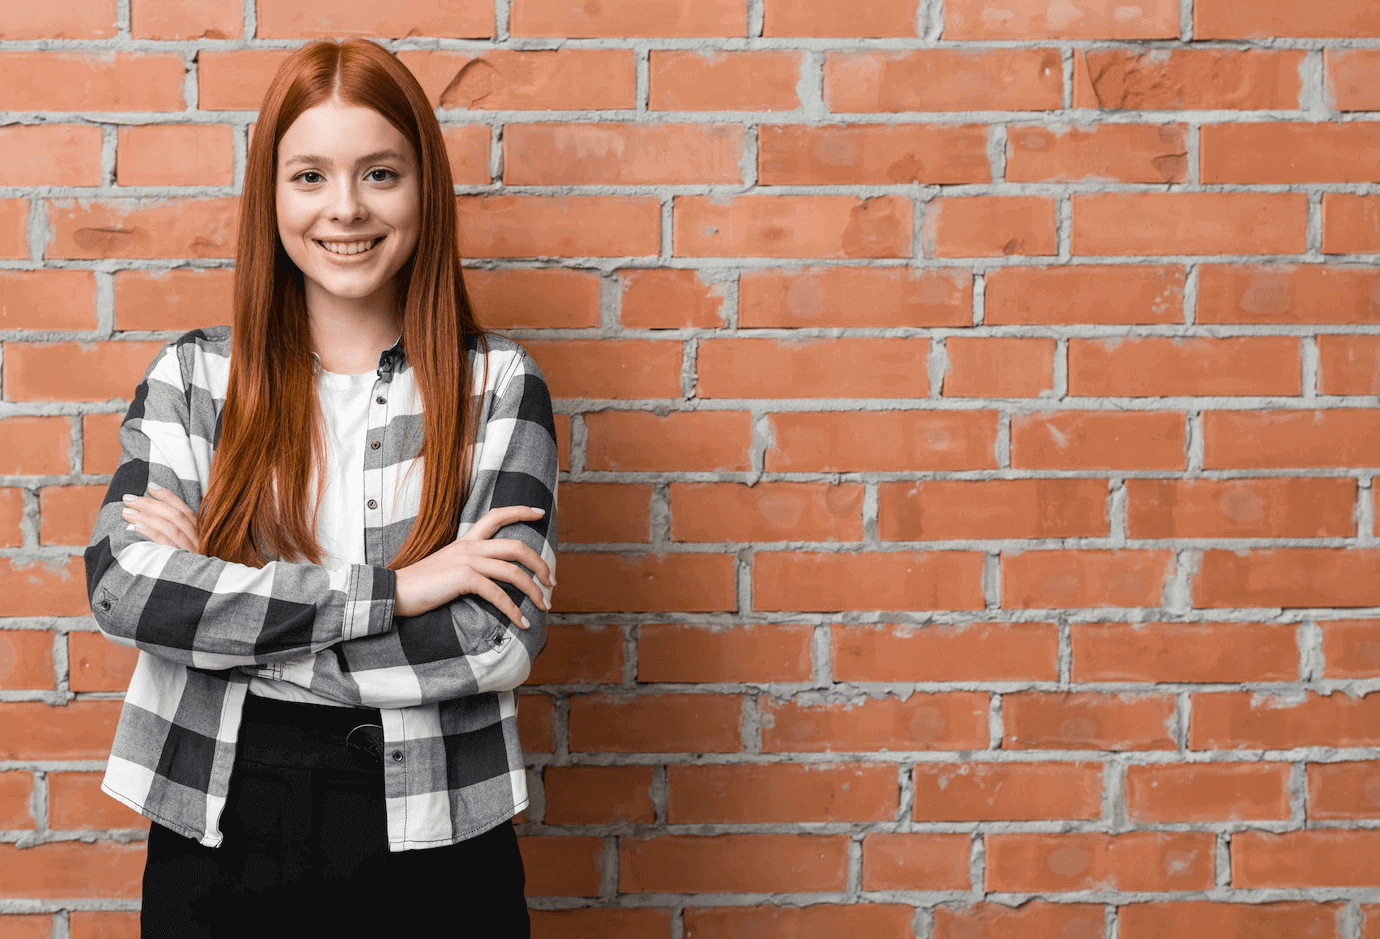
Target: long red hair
{"x":256,"y":505}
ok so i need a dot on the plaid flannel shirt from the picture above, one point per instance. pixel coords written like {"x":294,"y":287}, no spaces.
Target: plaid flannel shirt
{"x":444,"y":681}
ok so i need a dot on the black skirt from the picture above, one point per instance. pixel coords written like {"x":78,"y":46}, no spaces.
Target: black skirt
{"x":306,"y":850}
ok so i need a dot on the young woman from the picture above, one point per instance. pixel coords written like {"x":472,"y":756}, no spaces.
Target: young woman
{"x":331,"y":536}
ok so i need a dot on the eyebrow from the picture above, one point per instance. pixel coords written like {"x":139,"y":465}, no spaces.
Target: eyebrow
{"x":367,"y":158}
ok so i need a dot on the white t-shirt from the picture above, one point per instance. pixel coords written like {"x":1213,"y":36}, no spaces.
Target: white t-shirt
{"x":340,"y":521}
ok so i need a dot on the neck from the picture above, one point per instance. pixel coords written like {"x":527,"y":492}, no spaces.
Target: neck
{"x":348,"y":335}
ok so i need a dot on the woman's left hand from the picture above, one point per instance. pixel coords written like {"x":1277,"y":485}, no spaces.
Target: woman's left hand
{"x":163,"y":518}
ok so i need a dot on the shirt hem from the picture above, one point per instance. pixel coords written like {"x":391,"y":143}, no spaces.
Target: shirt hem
{"x":412,"y":844}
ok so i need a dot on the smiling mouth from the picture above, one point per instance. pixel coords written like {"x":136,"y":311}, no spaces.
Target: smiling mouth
{"x":349,"y":248}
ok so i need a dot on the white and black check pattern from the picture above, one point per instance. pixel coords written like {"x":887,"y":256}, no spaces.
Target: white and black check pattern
{"x":444,"y":681}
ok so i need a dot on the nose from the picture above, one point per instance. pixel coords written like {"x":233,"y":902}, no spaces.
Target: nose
{"x":346,"y":204}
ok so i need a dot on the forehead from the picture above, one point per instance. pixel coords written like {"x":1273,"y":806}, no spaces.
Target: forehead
{"x":341,"y":133}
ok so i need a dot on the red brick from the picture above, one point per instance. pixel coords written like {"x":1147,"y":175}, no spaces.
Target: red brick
{"x":1040,"y":19}
{"x":71,"y":371}
{"x":1033,"y":918}
{"x":1187,"y":79}
{"x":882,"y":441}
{"x":1351,"y":223}
{"x":1088,"y":721}
{"x":26,"y":660}
{"x":866,"y":580}
{"x":844,"y":154}
{"x":100,"y":441}
{"x":1302,"y":859}
{"x":868,"y":18}
{"x":598,"y":795}
{"x":1128,"y":153}
{"x":609,"y":368}
{"x":75,"y":801}
{"x":182,"y":298}
{"x":1351,"y":648}
{"x":602,"y":512}
{"x":96,"y":19}
{"x":1343,"y":790}
{"x":89,"y":924}
{"x":1154,"y":366}
{"x":186,"y":19}
{"x":1351,"y":78}
{"x":683,"y":441}
{"x":1279,"y":439}
{"x":754,"y":652}
{"x":944,"y":80}
{"x":943,"y":653}
{"x":781,"y":793}
{"x":656,"y":723}
{"x":142,"y":228}
{"x":992,"y":792}
{"x":1286,"y":294}
{"x":792,"y":226}
{"x":1288,"y":577}
{"x":467,"y":146}
{"x":812,"y":368}
{"x":1217,"y":792}
{"x":958,"y":510}
{"x":46,"y":587}
{"x":26,"y":925}
{"x":50,"y":154}
{"x":82,"y":730}
{"x":562,"y":423}
{"x":767,"y":863}
{"x":670,"y":299}
{"x":235,"y":80}
{"x":766,"y":512}
{"x":503,"y":226}
{"x":92,"y":81}
{"x":72,"y":869}
{"x":1282,"y":507}
{"x":1211,"y":920}
{"x":1189,"y":223}
{"x":609,"y":922}
{"x":855,"y":296}
{"x":303,"y":19}
{"x":11,"y":517}
{"x":16,"y":795}
{"x":562,"y":867}
{"x":687,"y":80}
{"x":1289,"y":153}
{"x":1048,"y":579}
{"x":175,"y":155}
{"x":35,"y":446}
{"x":915,"y":861}
{"x":1241,"y":19}
{"x":651,"y":18}
{"x":534,"y":298}
{"x":526,"y":80}
{"x":97,"y":664}
{"x":998,"y":367}
{"x":47,"y":300}
{"x":535,"y":720}
{"x":1234,"y":721}
{"x":816,"y":921}
{"x":1349,"y":365}
{"x":989,"y":226}
{"x":580,"y":654}
{"x":955,"y":720}
{"x":1185,"y":652}
{"x":1121,"y":294}
{"x":68,"y":513}
{"x":557,"y":154}
{"x":1133,"y":862}
{"x":612,"y":583}
{"x":14,"y":228}
{"x":1129,"y":440}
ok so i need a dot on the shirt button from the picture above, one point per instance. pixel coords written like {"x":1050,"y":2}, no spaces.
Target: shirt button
{"x":372,"y":504}
{"x":375,"y":445}
{"x":105,"y":604}
{"x":397,"y":756}
{"x":380,"y":400}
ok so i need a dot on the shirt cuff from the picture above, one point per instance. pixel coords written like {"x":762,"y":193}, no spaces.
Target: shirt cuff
{"x":369,"y":601}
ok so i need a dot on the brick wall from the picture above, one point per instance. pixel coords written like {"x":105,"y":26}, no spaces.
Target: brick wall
{"x":968,"y":415}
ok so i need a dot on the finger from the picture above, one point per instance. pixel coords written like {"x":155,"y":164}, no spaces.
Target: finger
{"x":166,"y":496}
{"x":511,"y":573}
{"x":163,"y":533}
{"x":482,"y":586}
{"x":494,"y":519}
{"x":510,"y":549}
{"x":142,"y":508}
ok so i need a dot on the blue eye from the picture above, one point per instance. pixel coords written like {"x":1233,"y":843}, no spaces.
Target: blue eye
{"x":389,"y":174}
{"x":308,"y":173}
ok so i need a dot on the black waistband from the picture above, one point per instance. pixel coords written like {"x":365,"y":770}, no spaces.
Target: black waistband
{"x":310,"y":736}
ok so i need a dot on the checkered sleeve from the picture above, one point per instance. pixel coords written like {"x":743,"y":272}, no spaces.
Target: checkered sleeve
{"x":203,"y":611}
{"x":465,"y":647}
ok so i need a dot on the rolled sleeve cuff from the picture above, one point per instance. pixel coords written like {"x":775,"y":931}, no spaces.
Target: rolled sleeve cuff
{"x":369,"y":601}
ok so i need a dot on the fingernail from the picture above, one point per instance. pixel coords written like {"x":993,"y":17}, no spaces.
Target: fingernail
{"x":154,"y":486}
{"x":140,"y":526}
{"x":537,"y":510}
{"x":129,"y":497}
{"x":128,"y":513}
{"x":525,"y":624}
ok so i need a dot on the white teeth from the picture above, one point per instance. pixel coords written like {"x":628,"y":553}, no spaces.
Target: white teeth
{"x":349,"y":247}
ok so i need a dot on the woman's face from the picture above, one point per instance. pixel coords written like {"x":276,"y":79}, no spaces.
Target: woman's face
{"x":349,"y":201}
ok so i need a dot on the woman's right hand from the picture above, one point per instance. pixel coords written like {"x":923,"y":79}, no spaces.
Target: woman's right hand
{"x":474,"y":563}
